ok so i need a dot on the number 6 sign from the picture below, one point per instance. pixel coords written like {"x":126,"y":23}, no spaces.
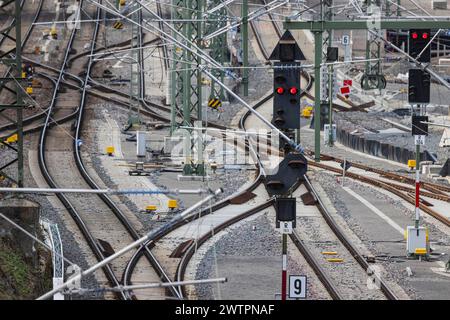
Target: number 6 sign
{"x":297,"y":287}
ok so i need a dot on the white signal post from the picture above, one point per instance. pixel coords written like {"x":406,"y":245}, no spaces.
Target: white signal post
{"x":419,"y":140}
{"x":284,"y":269}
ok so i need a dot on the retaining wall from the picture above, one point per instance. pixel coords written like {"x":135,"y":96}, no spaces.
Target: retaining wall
{"x":376,"y":148}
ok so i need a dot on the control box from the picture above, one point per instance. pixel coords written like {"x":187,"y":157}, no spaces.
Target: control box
{"x":417,"y":241}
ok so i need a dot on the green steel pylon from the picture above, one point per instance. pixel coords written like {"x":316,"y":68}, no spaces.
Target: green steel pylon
{"x":136,"y":64}
{"x":13,"y":59}
{"x":186,"y":86}
{"x":218,"y":45}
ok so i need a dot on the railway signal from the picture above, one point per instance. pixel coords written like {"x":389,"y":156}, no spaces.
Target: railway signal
{"x":214,"y":103}
{"x":286,"y":97}
{"x":419,"y":125}
{"x":290,"y":171}
{"x":419,"y":44}
{"x":419,"y":82}
{"x":286,"y":84}
{"x":118,"y":25}
{"x":287,"y":49}
{"x":345,"y":91}
{"x":348,"y":82}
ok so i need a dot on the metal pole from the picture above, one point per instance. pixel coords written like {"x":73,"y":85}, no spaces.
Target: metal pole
{"x":330,"y":111}
{"x":284,"y":268}
{"x":153,"y":285}
{"x":417,"y":209}
{"x":343,"y":171}
{"x":19,"y":99}
{"x":244,"y":34}
{"x":103,"y":191}
{"x":318,"y":38}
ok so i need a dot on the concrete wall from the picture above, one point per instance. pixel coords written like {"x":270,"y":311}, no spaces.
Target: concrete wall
{"x":376,"y":148}
{"x":26,"y":214}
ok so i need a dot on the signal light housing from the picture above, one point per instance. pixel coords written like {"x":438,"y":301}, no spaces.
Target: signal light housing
{"x":418,"y":43}
{"x":419,"y":82}
{"x":286,"y":100}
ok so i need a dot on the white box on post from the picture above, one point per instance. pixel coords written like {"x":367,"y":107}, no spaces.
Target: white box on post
{"x":417,"y":241}
{"x":141,"y":150}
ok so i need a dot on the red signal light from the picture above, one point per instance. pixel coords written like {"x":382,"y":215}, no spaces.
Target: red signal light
{"x":414,"y":35}
{"x":293,"y":90}
{"x":424,"y":35}
{"x":280,"y":90}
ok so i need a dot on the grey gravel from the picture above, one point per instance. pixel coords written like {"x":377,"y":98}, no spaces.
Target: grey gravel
{"x":396,"y":272}
{"x":243,"y":240}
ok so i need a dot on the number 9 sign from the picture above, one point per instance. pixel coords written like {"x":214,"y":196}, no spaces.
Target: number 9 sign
{"x":297,"y":287}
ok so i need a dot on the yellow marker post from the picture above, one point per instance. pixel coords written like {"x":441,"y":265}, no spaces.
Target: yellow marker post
{"x":411,"y":164}
{"x":12,"y":139}
{"x":172,"y":204}
{"x":110,"y":150}
{"x":150,"y":209}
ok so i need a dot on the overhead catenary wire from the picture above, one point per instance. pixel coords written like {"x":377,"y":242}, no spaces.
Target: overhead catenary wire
{"x":103,"y":191}
{"x":149,"y":236}
{"x":150,"y":285}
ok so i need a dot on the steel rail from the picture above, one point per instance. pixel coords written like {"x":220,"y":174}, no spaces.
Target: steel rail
{"x":126,"y":276}
{"x":344,"y":240}
{"x":133,"y":261}
{"x":92,"y":242}
{"x":433,"y":187}
{"x":386,"y":186}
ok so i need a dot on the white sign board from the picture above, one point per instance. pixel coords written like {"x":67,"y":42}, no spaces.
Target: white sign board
{"x":419,"y":140}
{"x":286,"y":227}
{"x":297,"y":287}
{"x":345,"y":40}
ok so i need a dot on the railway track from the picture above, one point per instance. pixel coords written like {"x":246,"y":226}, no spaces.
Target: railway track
{"x":109,"y":229}
{"x":131,"y":264}
{"x":435,"y":191}
{"x":406,"y":194}
{"x":323,"y":210}
{"x":340,"y":235}
{"x":191,"y":245}
{"x":71,"y":203}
